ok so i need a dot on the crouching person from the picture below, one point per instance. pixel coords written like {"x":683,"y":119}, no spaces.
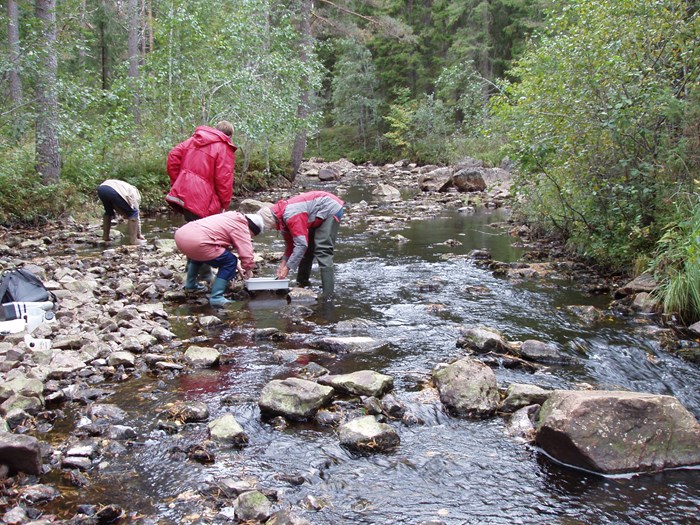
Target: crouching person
{"x":121,"y":197}
{"x":209,"y":240}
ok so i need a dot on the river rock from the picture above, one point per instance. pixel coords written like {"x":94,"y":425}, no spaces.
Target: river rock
{"x":226,"y":429}
{"x":645,"y":302}
{"x":618,"y":432}
{"x":540,"y":352}
{"x":22,"y":385}
{"x":293,"y":398}
{"x":15,"y":516}
{"x":482,"y":339}
{"x":361,"y":383}
{"x":467,"y":388}
{"x":285,"y":517}
{"x":64,"y":364}
{"x":119,"y":432}
{"x":469,"y":180}
{"x":250,"y":206}
{"x":39,"y":493}
{"x":76,"y":462}
{"x":125,"y":359}
{"x":366,"y":434}
{"x":30,"y":405}
{"x":252,"y":506}
{"x":521,"y":423}
{"x":202,"y":356}
{"x":107,"y":412}
{"x":329,"y":173}
{"x":20,"y":453}
{"x":519,"y":395}
{"x":642,"y":283}
{"x":386,"y":193}
{"x":189,"y":411}
{"x":347,"y":345}
{"x":437,"y":180}
{"x":165,"y":246}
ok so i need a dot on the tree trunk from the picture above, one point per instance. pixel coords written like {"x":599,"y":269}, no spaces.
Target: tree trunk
{"x":303,"y":107}
{"x":13,"y":44}
{"x":48,"y":156}
{"x":133,"y":50}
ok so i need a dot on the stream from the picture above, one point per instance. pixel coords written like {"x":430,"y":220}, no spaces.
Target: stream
{"x":414,"y":292}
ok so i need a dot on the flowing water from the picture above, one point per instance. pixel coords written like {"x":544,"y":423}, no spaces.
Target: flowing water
{"x":417,"y":293}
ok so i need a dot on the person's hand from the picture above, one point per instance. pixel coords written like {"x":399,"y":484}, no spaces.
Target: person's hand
{"x":282,"y":271}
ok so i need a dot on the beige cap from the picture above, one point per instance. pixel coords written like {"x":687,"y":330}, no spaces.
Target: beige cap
{"x":268,"y":218}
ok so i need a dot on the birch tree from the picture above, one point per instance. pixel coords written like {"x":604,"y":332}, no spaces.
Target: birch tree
{"x":48,"y":156}
{"x":14,"y":53}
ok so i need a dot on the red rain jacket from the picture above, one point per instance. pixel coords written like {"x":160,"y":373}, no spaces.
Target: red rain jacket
{"x":201,"y":172}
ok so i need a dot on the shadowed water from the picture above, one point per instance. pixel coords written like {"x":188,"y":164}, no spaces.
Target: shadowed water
{"x":417,"y":293}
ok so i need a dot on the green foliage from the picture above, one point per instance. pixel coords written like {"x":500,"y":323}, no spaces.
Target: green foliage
{"x":420,"y":129}
{"x":25,"y":199}
{"x":597,"y":122}
{"x":676,"y":262}
{"x":354,"y":90}
{"x":342,"y":142}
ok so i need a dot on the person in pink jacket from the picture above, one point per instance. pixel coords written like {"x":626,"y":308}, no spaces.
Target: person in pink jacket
{"x":209,"y":240}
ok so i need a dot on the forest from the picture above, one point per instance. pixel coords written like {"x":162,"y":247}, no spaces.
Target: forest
{"x":595,"y":102}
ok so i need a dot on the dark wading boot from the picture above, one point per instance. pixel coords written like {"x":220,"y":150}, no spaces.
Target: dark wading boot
{"x":106,"y":227}
{"x":328,"y":283}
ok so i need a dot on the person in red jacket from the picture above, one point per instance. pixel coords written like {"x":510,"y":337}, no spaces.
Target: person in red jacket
{"x":201,"y":175}
{"x":201,"y":172}
{"x":309,"y":224}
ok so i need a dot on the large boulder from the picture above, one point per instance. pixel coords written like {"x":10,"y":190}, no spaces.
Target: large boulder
{"x":467,"y":388}
{"x":469,"y":179}
{"x":293,"y":398}
{"x":439,"y":179}
{"x":618,"y":432}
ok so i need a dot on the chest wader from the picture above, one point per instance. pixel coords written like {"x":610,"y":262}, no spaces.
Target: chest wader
{"x":324,"y":245}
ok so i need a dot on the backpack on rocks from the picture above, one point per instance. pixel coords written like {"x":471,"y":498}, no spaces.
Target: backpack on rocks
{"x":21,"y":285}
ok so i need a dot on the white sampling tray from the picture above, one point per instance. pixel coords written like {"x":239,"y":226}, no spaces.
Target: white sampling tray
{"x":266,"y":283}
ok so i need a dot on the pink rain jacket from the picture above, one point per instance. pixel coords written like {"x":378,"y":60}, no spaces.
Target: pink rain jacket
{"x":207,"y":238}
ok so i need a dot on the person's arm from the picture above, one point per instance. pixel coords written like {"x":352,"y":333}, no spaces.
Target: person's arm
{"x":240,"y":240}
{"x":175,"y":161}
{"x":298,"y":232}
{"x":223,"y":176}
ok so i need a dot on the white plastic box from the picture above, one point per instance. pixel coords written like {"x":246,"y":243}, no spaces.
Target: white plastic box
{"x":266,"y":283}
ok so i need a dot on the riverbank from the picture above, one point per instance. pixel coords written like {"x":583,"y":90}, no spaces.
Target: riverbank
{"x":122,"y":318}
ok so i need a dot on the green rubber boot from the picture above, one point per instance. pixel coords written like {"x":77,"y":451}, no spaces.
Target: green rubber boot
{"x":217,"y":293}
{"x":328,"y":282}
{"x":191,"y":284}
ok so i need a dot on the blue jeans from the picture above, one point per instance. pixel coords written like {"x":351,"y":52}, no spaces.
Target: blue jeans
{"x":112,"y":201}
{"x":227,"y":263}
